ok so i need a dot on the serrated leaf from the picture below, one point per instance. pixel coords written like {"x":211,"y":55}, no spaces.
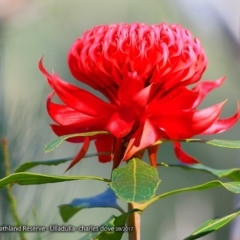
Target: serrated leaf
{"x":31,"y":164}
{"x":211,"y":226}
{"x":36,"y":178}
{"x":230,"y":186}
{"x":112,"y":222}
{"x":231,"y":173}
{"x":224,"y":143}
{"x":56,"y":142}
{"x":136,"y":182}
{"x":106,"y":199}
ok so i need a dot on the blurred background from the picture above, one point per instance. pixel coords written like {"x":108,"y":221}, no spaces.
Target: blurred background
{"x":31,"y":28}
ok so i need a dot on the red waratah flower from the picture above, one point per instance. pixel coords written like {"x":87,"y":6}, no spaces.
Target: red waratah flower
{"x":144,"y":71}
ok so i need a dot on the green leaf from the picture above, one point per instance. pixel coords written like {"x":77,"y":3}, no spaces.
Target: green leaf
{"x":36,"y":178}
{"x":224,"y":143}
{"x":136,"y":182}
{"x":214,"y":142}
{"x":231,"y":173}
{"x":211,"y":226}
{"x":28,"y":165}
{"x":106,"y":199}
{"x":56,"y":142}
{"x":116,"y":225}
{"x":230,"y":186}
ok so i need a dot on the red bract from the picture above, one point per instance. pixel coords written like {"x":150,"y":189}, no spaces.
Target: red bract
{"x":144,"y":71}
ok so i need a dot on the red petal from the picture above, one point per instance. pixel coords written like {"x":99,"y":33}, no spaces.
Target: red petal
{"x":80,"y":154}
{"x":182,"y":156}
{"x":152,"y":152}
{"x":66,"y":130}
{"x":118,"y":153}
{"x":205,"y":87}
{"x":79,"y":99}
{"x":64,"y":115}
{"x":222,"y":125}
{"x":89,"y":67}
{"x":121,"y":122}
{"x":205,"y":118}
{"x":104,"y":144}
{"x":139,"y":154}
{"x":45,"y":72}
{"x":185,"y":124}
{"x":75,"y":97}
{"x":179,"y":98}
{"x":140,"y":99}
{"x":144,"y":137}
{"x":130,"y":85}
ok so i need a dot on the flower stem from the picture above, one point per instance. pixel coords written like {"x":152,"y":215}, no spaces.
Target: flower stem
{"x":134,"y":220}
{"x":11,"y":198}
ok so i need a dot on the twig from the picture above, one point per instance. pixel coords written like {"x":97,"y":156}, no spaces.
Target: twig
{"x":11,"y":198}
{"x":134,"y":220}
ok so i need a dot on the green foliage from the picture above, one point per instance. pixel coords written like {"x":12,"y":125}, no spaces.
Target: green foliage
{"x":224,"y":143}
{"x":230,"y":186}
{"x":217,"y":142}
{"x":56,"y":142}
{"x":116,"y":224}
{"x":28,"y":165}
{"x":211,"y":226}
{"x":31,"y":164}
{"x":213,"y":142}
{"x":231,"y":173}
{"x":136,"y":182}
{"x":67,"y":211}
{"x":36,"y":178}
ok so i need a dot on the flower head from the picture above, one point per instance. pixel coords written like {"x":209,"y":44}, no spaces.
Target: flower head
{"x":144,"y":71}
{"x":106,"y":54}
